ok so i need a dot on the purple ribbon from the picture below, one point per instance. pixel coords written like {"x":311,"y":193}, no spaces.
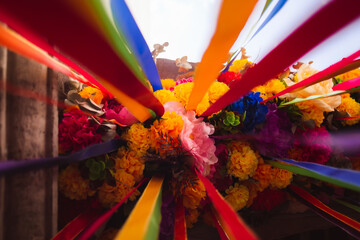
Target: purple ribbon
{"x":16,"y":166}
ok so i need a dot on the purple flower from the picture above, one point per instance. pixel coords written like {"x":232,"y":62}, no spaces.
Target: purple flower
{"x":275,"y":138}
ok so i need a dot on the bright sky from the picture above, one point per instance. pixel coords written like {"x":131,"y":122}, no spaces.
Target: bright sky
{"x":189,"y":24}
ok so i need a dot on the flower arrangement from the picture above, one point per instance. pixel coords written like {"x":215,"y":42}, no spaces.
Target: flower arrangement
{"x":231,"y":147}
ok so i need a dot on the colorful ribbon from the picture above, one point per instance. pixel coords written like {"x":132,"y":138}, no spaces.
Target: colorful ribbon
{"x":321,"y":206}
{"x":127,"y":25}
{"x":319,"y":27}
{"x":352,"y":83}
{"x":232,"y":18}
{"x":219,"y":228}
{"x":15,"y":166}
{"x":236,"y":226}
{"x":20,"y":45}
{"x":102,"y":219}
{"x":78,"y":224}
{"x":342,"y":177}
{"x":273,"y":12}
{"x":75,"y":36}
{"x":340,"y":67}
{"x":144,"y":220}
{"x":180,"y":223}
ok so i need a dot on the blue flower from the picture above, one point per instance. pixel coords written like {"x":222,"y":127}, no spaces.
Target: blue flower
{"x":249,"y":106}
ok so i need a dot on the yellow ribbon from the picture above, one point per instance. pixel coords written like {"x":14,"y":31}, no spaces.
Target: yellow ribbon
{"x":232,"y":18}
{"x":138,"y":222}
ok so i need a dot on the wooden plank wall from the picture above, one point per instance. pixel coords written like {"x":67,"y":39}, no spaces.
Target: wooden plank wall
{"x":28,"y":129}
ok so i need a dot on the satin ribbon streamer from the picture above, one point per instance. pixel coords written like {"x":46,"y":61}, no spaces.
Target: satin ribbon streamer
{"x":89,"y":47}
{"x":127,"y":25}
{"x":15,"y":166}
{"x":319,"y":27}
{"x":237,"y":227}
{"x":232,"y":18}
{"x":144,"y":220}
{"x":102,"y":219}
{"x":180,"y":223}
{"x":321,"y":206}
{"x":347,"y":85}
{"x":341,"y":177}
{"x":340,"y":67}
{"x":74,"y":228}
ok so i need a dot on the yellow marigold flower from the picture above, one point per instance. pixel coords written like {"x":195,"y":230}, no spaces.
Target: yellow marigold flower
{"x":238,"y":65}
{"x":216,"y":90}
{"x":192,"y":195}
{"x":191,"y":217}
{"x":168,"y":83}
{"x":93,"y":93}
{"x":138,"y":138}
{"x":280,"y":178}
{"x":310,"y":111}
{"x":350,"y":106}
{"x":182,"y":93}
{"x":109,"y":195}
{"x":270,"y":88}
{"x":72,"y":185}
{"x":350,"y":75}
{"x":237,"y":196}
{"x":242,"y":162}
{"x":263,"y":175}
{"x":165,"y":96}
{"x":170,"y":125}
{"x":131,"y":162}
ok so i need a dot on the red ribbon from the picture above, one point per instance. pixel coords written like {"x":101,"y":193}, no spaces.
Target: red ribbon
{"x":308,"y":35}
{"x":180,"y":223}
{"x":76,"y":226}
{"x":237,"y":227}
{"x":75,"y":36}
{"x":102,"y":219}
{"x":347,"y":85}
{"x":317,"y":203}
{"x":340,"y":67}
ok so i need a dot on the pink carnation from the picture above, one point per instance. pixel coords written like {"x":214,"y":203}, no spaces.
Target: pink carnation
{"x":184,"y":80}
{"x":195,"y":137}
{"x":114,"y":110}
{"x":77,"y":132}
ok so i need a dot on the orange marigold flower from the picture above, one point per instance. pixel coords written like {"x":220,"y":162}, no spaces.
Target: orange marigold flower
{"x":253,"y":191}
{"x":263,"y":175}
{"x":72,"y":185}
{"x":350,"y":75}
{"x":280,"y":178}
{"x":350,"y":106}
{"x":310,"y":111}
{"x":168,"y":83}
{"x":270,"y":88}
{"x":93,"y":93}
{"x":237,"y":196}
{"x":169,"y":126}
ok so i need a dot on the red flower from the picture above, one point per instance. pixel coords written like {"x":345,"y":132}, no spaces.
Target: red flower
{"x":228,"y":76}
{"x":76,"y":131}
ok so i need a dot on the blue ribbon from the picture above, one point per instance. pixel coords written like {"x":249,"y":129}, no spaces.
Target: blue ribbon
{"x":345,"y":175}
{"x":126,"y":24}
{"x":275,"y":10}
{"x":15,"y":166}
